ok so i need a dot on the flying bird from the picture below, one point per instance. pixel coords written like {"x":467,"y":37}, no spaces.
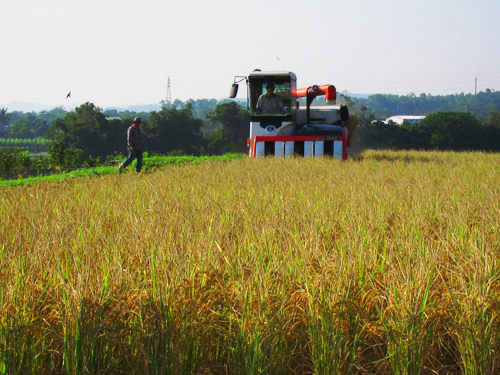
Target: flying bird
{"x":69,"y":94}
{"x":278,"y":58}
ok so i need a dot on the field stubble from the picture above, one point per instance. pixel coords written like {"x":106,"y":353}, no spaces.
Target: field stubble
{"x":384,"y":265}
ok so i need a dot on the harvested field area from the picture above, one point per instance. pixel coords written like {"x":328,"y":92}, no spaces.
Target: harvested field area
{"x":387,"y":264}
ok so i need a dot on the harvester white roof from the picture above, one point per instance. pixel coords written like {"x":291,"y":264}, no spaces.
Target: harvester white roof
{"x":273,"y":73}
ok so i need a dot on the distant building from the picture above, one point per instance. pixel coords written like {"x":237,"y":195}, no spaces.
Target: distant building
{"x":400,"y":119}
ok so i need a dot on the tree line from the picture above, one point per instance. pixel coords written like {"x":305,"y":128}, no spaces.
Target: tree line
{"x":87,"y":136}
{"x":445,"y":131}
{"x":382,"y":106}
{"x":453,"y":122}
{"x":170,"y":129}
{"x":209,"y":127}
{"x":23,"y":125}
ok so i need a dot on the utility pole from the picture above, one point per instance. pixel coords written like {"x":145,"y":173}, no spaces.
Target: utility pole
{"x":475,"y":91}
{"x":168,"y":100}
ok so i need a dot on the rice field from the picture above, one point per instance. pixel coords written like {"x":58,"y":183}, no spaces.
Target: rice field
{"x":387,"y":264}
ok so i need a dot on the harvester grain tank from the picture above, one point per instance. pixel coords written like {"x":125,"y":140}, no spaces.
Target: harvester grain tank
{"x":281,"y":127}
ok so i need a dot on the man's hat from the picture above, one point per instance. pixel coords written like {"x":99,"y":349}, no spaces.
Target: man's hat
{"x":137,"y":120}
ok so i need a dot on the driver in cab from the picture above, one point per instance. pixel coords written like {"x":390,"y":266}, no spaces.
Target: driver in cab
{"x":269,"y":102}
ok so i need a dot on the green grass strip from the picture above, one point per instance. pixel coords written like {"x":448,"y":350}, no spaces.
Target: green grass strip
{"x":148,"y":164}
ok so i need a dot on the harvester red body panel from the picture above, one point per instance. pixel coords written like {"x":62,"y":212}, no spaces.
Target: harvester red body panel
{"x":307,"y":146}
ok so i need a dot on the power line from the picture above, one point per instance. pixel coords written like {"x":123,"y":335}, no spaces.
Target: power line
{"x":457,"y":82}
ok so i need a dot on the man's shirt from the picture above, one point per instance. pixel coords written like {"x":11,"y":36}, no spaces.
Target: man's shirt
{"x":268,"y":104}
{"x":134,"y":138}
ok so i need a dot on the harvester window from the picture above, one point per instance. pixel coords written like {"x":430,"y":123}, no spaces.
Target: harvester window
{"x":270,"y":98}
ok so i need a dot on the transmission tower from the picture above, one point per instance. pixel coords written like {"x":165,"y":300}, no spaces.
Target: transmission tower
{"x":168,"y":100}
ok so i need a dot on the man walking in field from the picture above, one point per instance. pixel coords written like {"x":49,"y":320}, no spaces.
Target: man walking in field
{"x":134,"y":146}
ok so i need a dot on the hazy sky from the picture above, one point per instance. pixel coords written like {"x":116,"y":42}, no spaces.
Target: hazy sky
{"x":114,"y":53}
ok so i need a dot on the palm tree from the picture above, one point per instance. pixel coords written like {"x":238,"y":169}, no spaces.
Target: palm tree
{"x":4,"y":116}
{"x":4,"y":119}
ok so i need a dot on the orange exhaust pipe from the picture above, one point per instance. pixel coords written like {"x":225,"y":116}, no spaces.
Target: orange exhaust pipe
{"x":328,"y":90}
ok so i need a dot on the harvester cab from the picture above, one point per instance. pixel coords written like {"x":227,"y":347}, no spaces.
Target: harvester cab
{"x":281,"y":127}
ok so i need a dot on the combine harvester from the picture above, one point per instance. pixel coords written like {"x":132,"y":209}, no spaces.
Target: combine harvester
{"x":280,"y":127}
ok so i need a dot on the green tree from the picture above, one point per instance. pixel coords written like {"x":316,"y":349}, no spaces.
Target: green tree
{"x":13,"y":158}
{"x":218,"y":143}
{"x":29,"y":128}
{"x":380,"y":135}
{"x":235,"y":124}
{"x":87,"y":129}
{"x":493,"y":119}
{"x":56,"y":151}
{"x":173,"y":129}
{"x":4,"y":122}
{"x":492,"y":131}
{"x":4,"y":116}
{"x":53,"y":114}
{"x":21,"y":128}
{"x":111,"y":113}
{"x":450,"y":131}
